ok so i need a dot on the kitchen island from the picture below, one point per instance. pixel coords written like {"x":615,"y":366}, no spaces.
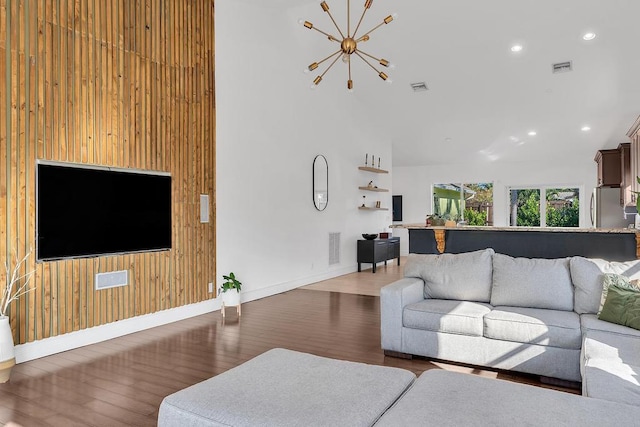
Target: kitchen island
{"x":619,"y":244}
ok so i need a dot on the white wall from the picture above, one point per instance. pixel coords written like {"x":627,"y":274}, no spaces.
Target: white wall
{"x":415,"y":183}
{"x":270,"y":126}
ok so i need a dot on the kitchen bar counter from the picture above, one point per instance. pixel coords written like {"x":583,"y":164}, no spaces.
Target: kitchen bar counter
{"x":618,"y":244}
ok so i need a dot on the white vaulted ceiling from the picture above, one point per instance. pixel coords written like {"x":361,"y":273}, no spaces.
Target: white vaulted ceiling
{"x":483,"y":99}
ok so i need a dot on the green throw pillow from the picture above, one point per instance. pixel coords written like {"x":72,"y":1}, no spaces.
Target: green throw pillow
{"x":622,"y":306}
{"x":611,"y":279}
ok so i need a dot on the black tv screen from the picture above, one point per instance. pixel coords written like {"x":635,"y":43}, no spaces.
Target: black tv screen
{"x":397,"y":208}
{"x":91,"y":211}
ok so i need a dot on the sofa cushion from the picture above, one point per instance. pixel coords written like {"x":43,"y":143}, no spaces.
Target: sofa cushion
{"x":534,"y":326}
{"x":611,"y":368}
{"x":287,"y":388}
{"x":616,"y":382}
{"x":622,"y":307}
{"x":449,"y":316}
{"x":613,"y":347}
{"x":587,"y":277}
{"x":464,"y":277}
{"x":590,"y":322}
{"x":532,"y":282}
{"x":453,"y":399}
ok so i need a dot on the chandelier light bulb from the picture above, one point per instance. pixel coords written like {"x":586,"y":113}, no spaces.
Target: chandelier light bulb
{"x":346,"y":58}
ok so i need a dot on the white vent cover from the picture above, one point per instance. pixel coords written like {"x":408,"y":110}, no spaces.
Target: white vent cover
{"x":562,"y":67}
{"x":113,"y":279}
{"x":334,"y":248}
{"x":419,"y":87}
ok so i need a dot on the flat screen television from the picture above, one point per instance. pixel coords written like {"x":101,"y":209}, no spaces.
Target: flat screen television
{"x":397,"y":208}
{"x":85,"y":211}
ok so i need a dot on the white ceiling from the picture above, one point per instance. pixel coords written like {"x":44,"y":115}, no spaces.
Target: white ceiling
{"x":484,"y":99}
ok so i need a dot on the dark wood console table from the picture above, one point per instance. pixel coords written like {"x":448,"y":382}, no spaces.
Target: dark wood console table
{"x":378,"y":250}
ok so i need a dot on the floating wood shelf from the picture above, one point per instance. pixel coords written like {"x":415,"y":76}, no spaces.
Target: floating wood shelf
{"x":366,"y":208}
{"x":376,"y":189}
{"x":370,"y":169}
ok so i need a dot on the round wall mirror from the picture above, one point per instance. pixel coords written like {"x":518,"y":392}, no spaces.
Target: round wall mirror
{"x":320,"y":182}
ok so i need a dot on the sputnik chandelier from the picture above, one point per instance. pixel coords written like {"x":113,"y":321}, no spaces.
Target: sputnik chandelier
{"x":349,"y":44}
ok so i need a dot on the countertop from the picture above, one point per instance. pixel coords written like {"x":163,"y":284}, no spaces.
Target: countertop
{"x":545,"y":229}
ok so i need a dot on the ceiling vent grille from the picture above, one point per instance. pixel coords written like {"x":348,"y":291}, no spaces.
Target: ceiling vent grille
{"x":419,"y":87}
{"x":562,"y":67}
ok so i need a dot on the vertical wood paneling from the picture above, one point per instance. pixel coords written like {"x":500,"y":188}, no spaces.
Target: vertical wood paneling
{"x":111,"y":82}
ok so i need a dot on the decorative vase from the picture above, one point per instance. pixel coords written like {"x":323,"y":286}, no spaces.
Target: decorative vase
{"x":7,"y":356}
{"x":231,"y":298}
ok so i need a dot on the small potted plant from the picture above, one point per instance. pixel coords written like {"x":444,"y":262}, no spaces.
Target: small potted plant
{"x":229,"y":297}
{"x":436,"y":220}
{"x":450,"y":220}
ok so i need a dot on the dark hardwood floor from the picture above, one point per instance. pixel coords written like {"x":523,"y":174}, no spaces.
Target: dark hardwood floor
{"x":122,"y":381}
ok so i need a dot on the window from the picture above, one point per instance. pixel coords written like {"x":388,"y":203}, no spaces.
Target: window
{"x":472,"y":203}
{"x":561,"y":207}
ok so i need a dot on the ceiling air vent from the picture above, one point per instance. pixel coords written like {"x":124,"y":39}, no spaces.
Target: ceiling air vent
{"x":562,"y":67}
{"x":419,"y":87}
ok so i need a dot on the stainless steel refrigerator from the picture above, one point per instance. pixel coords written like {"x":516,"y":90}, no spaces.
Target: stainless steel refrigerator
{"x":606,"y":211}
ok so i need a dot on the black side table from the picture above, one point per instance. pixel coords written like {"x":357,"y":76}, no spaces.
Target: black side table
{"x":378,"y":250}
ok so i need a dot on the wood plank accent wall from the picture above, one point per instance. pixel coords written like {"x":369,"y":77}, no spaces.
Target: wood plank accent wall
{"x":121,"y":83}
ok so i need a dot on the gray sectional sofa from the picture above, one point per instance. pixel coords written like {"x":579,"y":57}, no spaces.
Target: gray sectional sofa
{"x":529,"y":315}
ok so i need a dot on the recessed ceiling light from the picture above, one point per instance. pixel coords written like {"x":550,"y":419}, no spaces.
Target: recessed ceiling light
{"x":589,"y":36}
{"x":532,"y":133}
{"x":516,"y":48}
{"x":585,"y":128}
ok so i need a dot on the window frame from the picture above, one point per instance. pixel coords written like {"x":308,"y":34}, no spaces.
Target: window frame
{"x":543,"y":206}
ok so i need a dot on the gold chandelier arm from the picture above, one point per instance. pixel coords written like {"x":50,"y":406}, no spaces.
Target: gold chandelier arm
{"x":329,"y":36}
{"x":332,"y":64}
{"x":381,"y":74}
{"x":348,"y":18}
{"x":325,"y":7}
{"x":329,"y":57}
{"x":367,"y":5}
{"x":386,"y":20}
{"x":381,"y":61}
{"x":367,"y":62}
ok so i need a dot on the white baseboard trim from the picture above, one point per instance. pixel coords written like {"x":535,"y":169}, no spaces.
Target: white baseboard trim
{"x":48,"y":346}
{"x":64,"y":342}
{"x":294,"y":284}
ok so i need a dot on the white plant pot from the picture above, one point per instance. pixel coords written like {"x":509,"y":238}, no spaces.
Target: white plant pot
{"x":7,"y":355}
{"x":231,"y":298}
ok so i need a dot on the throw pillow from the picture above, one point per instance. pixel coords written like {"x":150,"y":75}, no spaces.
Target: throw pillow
{"x":622,"y":306}
{"x":623,"y":282}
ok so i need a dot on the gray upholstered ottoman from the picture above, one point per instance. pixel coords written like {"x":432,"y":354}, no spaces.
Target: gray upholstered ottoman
{"x":442,"y":398}
{"x":287,"y":388}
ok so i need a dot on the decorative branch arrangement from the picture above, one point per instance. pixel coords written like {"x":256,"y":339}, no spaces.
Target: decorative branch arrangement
{"x":13,"y":290}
